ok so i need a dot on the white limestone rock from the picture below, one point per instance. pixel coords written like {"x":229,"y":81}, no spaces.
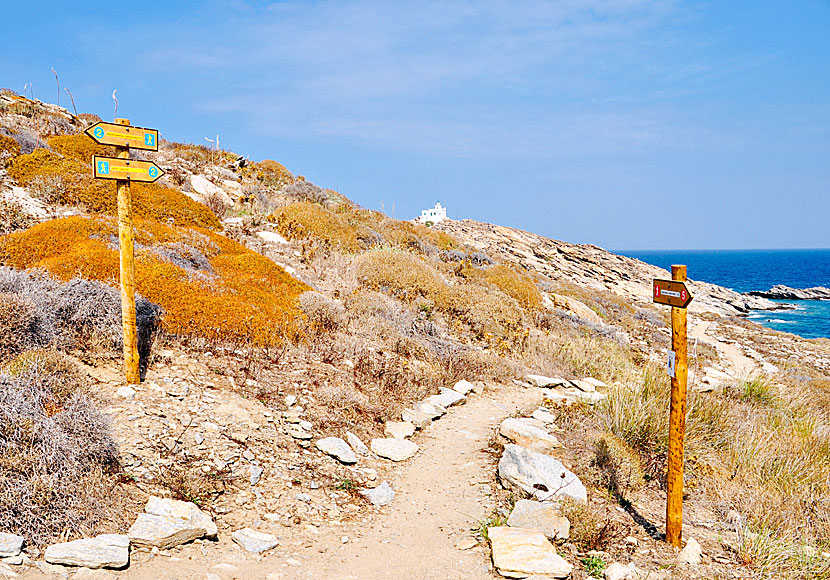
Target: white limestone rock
{"x":528,"y":435}
{"x":519,"y":552}
{"x":356,"y":444}
{"x":447,"y":398}
{"x":338,"y":449}
{"x":271,"y":237}
{"x":691,"y":553}
{"x":167,"y":523}
{"x":543,"y":415}
{"x":399,"y":429}
{"x":584,"y":386}
{"x":463,"y":387}
{"x":204,"y":189}
{"x":10,"y":545}
{"x":104,"y":551}
{"x":542,"y":516}
{"x":541,"y":476}
{"x":254,"y":541}
{"x":394,"y":449}
{"x":434,"y":410}
{"x":547,"y":382}
{"x":380,"y":496}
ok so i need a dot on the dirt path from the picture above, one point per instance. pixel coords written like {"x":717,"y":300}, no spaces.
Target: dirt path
{"x":441,"y":494}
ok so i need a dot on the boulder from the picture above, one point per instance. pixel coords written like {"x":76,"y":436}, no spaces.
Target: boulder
{"x":447,"y":398}
{"x":204,"y":189}
{"x":254,"y":541}
{"x":463,"y":387}
{"x":271,"y":237}
{"x":434,"y":410}
{"x":569,"y":396}
{"x":338,"y":449}
{"x":616,"y":571}
{"x":10,"y":545}
{"x":167,"y":523}
{"x":584,"y":385}
{"x":547,"y":382}
{"x":356,"y":444}
{"x":518,"y":553}
{"x":105,"y":551}
{"x":399,"y":429}
{"x":528,"y":435}
{"x":542,"y":516}
{"x":394,"y":449}
{"x":598,"y":384}
{"x":543,"y":415}
{"x":539,"y":475}
{"x":380,"y":496}
{"x":417,"y":418}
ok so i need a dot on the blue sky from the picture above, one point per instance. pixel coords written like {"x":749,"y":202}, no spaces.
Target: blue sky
{"x":631,"y":124}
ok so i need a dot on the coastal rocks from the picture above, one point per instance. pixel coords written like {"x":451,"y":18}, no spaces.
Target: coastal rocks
{"x":167,"y":523}
{"x":394,"y":449}
{"x":254,"y":541}
{"x":539,"y":475}
{"x":781,"y":292}
{"x":526,"y":434}
{"x":519,"y":552}
{"x":338,"y":449}
{"x":542,"y":516}
{"x":105,"y":551}
{"x":398,"y":429}
{"x":10,"y":545}
{"x":380,"y":496}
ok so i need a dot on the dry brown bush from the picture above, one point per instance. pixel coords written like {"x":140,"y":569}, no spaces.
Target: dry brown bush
{"x":19,"y":326}
{"x":593,"y":527}
{"x":619,"y":465}
{"x":324,"y":314}
{"x":13,"y":218}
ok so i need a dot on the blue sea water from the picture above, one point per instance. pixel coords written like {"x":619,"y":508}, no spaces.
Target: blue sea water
{"x":747,"y":270}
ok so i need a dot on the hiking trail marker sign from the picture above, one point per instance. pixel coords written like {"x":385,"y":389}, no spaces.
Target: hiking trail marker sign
{"x":124,"y":170}
{"x":674,"y":293}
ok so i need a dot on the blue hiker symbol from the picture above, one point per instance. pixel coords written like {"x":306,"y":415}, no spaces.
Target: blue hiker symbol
{"x":103,"y":167}
{"x":150,"y":140}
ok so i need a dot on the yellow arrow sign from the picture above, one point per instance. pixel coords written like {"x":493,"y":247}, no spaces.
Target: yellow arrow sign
{"x":124,"y":136}
{"x":126,"y":169}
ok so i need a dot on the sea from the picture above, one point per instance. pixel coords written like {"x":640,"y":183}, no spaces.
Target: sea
{"x":747,"y":270}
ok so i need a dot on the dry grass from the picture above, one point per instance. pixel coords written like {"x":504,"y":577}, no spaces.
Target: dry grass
{"x":58,"y":461}
{"x":209,"y":286}
{"x":13,"y":218}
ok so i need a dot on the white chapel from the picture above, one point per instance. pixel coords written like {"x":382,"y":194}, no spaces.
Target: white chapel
{"x":435,"y":215}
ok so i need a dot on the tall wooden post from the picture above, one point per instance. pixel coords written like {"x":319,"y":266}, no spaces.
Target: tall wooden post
{"x":677,"y":420}
{"x":126,"y":242}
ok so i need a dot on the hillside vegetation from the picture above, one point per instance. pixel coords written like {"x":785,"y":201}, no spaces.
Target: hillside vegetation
{"x":294,"y":290}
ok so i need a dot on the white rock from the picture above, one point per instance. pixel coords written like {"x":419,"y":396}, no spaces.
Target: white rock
{"x":584,"y":385}
{"x":338,"y":449}
{"x":463,"y":387}
{"x":399,"y":429}
{"x":205,"y":188}
{"x":394,"y":449}
{"x":446,"y":398}
{"x":381,"y":495}
{"x":543,"y":415}
{"x":527,"y":435}
{"x":254,"y":541}
{"x":271,"y":238}
{"x":543,"y":381}
{"x":616,"y":571}
{"x":10,"y":545}
{"x":105,"y":551}
{"x":691,"y":553}
{"x":434,"y":411}
{"x":598,"y":384}
{"x":569,"y":396}
{"x":256,"y":474}
{"x":290,"y":400}
{"x":542,"y":516}
{"x":125,"y":392}
{"x":356,"y":444}
{"x":518,"y":553}
{"x":167,"y":523}
{"x":541,"y":476}
{"x":418,"y":418}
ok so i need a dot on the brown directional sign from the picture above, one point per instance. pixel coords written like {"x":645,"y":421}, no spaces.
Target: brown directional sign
{"x":125,"y":169}
{"x":671,"y":293}
{"x":124,"y":136}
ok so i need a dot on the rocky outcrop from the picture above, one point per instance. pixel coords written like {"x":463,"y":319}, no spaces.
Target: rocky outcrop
{"x":520,"y":552}
{"x":167,"y":523}
{"x":592,"y":268}
{"x":540,"y":476}
{"x":781,"y":292}
{"x":105,"y":551}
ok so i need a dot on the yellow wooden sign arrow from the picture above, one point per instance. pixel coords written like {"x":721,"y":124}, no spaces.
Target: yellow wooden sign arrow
{"x":124,"y":136}
{"x":126,"y":169}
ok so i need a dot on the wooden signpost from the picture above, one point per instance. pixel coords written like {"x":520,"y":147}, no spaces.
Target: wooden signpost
{"x":123,"y":170}
{"x":674,"y":293}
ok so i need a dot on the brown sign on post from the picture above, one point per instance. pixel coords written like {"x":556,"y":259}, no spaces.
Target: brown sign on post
{"x":674,"y":293}
{"x":124,"y":136}
{"x":671,"y":293}
{"x":126,"y":169}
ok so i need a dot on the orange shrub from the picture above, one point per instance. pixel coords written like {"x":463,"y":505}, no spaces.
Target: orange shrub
{"x":78,"y":147}
{"x":150,"y":200}
{"x":270,"y":170}
{"x":303,"y":219}
{"x":238,"y":296}
{"x":9,"y":146}
{"x":517,"y":285}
